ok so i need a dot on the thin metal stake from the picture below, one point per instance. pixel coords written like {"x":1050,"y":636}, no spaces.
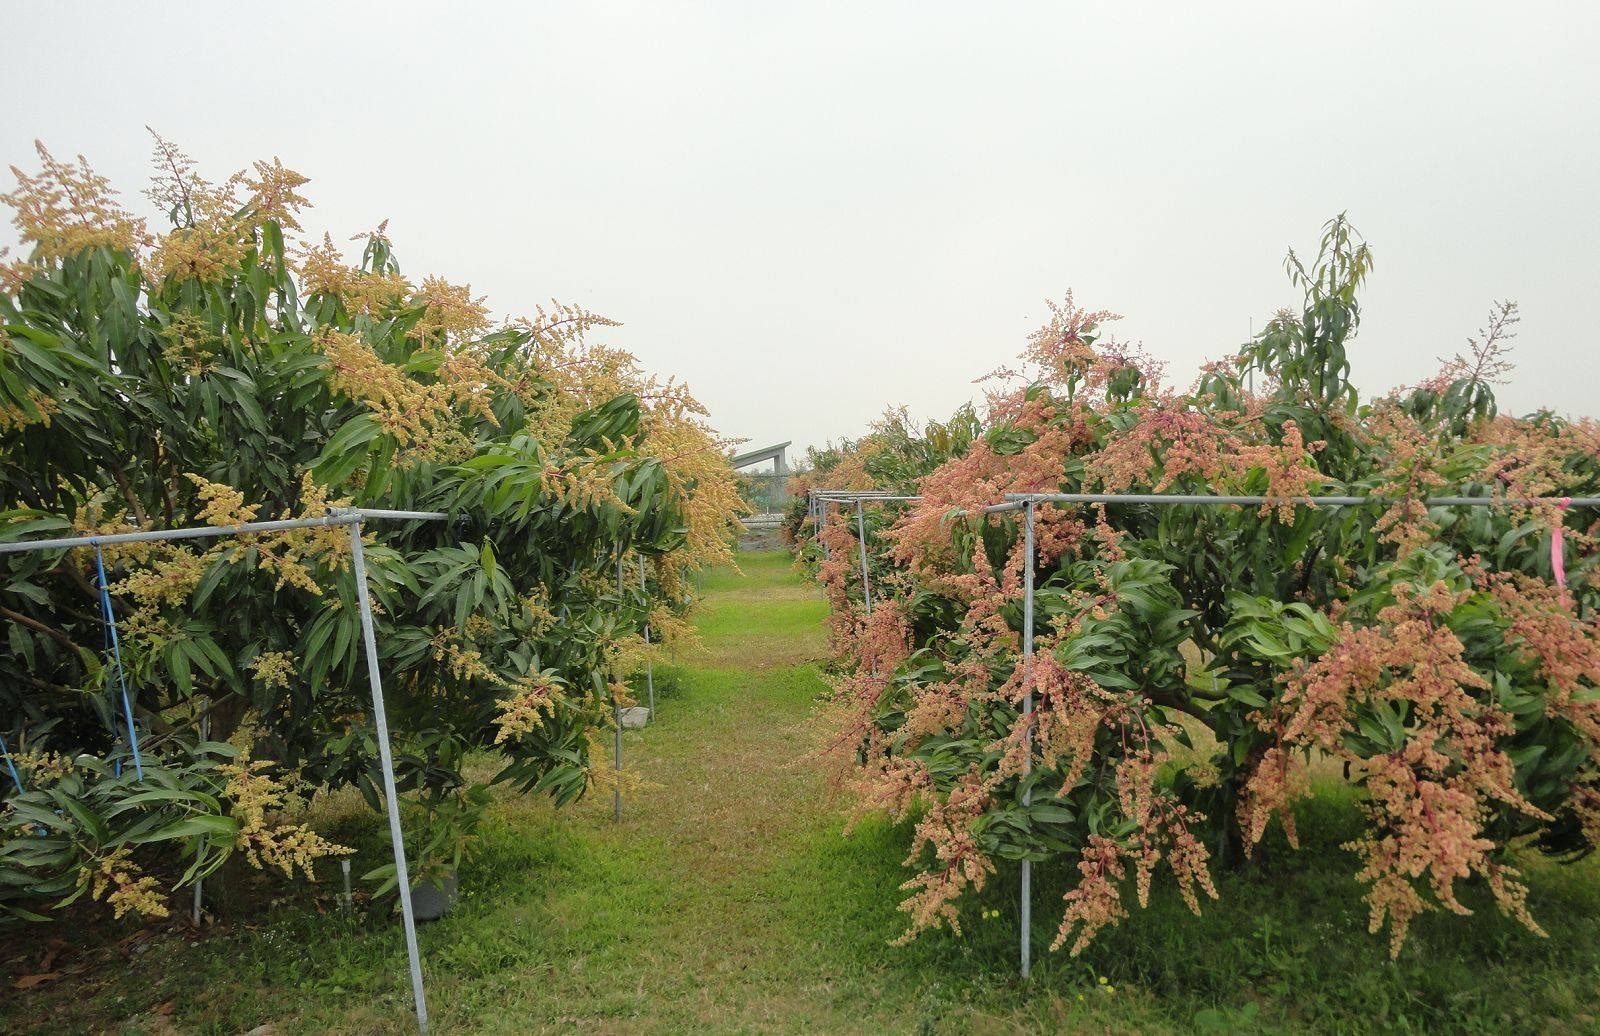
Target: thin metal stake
{"x":649,"y":663}
{"x":816,"y":520}
{"x":199,"y":883}
{"x":380,"y":720}
{"x":649,"y":673}
{"x":616,"y":787}
{"x":616,"y":720}
{"x":861,"y":536}
{"x":1027,"y":732}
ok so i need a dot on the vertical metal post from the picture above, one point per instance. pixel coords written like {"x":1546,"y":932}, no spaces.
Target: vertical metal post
{"x":1027,"y":733}
{"x":616,"y":786}
{"x":649,"y":663}
{"x":649,"y":673}
{"x":380,"y":721}
{"x":616,"y":719}
{"x":861,"y":537}
{"x":199,"y":883}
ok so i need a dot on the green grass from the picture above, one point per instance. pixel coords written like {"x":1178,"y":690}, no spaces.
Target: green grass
{"x":729,"y":900}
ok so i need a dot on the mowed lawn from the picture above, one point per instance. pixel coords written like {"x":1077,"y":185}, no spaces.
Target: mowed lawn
{"x":729,"y":900}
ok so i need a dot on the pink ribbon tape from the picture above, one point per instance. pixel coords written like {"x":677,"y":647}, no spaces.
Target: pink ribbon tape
{"x":1558,"y":552}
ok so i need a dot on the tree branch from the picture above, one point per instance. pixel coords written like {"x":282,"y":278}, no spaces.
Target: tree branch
{"x":128,"y":495}
{"x":35,"y":624}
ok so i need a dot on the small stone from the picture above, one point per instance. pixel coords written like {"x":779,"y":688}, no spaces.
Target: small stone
{"x":635,"y":718}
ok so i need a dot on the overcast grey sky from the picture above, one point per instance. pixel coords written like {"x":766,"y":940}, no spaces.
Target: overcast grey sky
{"x":813,"y":211}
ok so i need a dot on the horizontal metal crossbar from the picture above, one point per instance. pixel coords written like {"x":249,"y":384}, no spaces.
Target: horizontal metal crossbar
{"x":1009,"y":505}
{"x":420,"y":516}
{"x":348,"y":516}
{"x":1314,"y":501}
{"x":1013,"y":505}
{"x":201,"y":532}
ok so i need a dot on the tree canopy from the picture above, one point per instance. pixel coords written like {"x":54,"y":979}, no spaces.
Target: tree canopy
{"x":230,"y":370}
{"x":1196,"y":664}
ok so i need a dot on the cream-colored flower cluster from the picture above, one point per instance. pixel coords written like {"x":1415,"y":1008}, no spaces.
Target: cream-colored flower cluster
{"x":123,"y":885}
{"x":257,"y":799}
{"x":274,"y":668}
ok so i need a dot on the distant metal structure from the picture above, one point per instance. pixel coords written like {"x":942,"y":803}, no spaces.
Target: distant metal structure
{"x":779,"y":455}
{"x":777,"y":480}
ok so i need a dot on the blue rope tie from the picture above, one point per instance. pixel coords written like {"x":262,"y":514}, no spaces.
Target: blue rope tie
{"x":116,"y":652}
{"x":10,"y":766}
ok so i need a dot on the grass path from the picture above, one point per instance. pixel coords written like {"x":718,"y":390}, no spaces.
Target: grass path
{"x":729,"y":900}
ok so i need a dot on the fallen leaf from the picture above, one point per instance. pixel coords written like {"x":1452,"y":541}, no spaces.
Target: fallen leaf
{"x":50,"y":954}
{"x":165,"y":1006}
{"x":29,"y":981}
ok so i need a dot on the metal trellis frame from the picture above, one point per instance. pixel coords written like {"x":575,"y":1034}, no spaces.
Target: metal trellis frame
{"x":819,"y":499}
{"x":1028,"y":503}
{"x":347,"y":517}
{"x":855,"y":498}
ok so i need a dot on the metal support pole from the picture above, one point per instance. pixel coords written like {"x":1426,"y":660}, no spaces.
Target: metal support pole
{"x":649,"y":663}
{"x":616,"y":784}
{"x":616,"y":719}
{"x":194,"y":910}
{"x":380,"y":721}
{"x":199,"y":883}
{"x":1027,"y":730}
{"x":861,"y":537}
{"x":649,"y":673}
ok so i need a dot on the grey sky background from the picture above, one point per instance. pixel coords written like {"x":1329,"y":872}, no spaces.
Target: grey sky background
{"x":811,"y":212}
